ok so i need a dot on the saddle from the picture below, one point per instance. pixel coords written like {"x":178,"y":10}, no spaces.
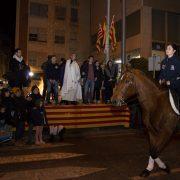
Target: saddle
{"x":175,"y":101}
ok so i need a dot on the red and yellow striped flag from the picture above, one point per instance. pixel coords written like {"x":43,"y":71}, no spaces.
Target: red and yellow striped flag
{"x":113,"y":34}
{"x":105,"y":34}
{"x":100,"y":36}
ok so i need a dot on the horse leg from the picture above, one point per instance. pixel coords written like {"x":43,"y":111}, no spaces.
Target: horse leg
{"x":150,"y":166}
{"x":158,"y":145}
{"x":151,"y":162}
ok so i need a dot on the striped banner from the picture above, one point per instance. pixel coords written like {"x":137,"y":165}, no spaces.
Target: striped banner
{"x":86,"y":116}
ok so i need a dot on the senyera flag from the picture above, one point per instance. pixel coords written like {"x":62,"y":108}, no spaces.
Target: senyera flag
{"x":113,"y":34}
{"x":100,"y":36}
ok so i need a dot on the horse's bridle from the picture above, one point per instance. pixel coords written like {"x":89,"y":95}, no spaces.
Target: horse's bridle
{"x":127,"y":84}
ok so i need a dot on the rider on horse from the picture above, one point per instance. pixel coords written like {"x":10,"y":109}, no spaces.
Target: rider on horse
{"x":170,"y":70}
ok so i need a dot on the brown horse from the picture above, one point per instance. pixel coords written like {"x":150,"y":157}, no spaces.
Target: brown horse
{"x":158,"y":117}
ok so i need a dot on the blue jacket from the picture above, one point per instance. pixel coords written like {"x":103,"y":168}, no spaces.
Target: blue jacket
{"x":170,"y":71}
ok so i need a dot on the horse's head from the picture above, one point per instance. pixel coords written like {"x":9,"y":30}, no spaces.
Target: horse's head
{"x":125,"y":88}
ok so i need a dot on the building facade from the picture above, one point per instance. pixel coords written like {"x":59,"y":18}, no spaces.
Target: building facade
{"x":150,"y":25}
{"x":62,"y":27}
{"x":58,"y":27}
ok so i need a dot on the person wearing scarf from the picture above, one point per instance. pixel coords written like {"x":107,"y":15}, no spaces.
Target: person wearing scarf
{"x":19,"y":76}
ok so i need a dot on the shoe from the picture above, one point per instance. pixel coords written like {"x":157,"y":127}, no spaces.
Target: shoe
{"x":145,"y":173}
{"x":167,"y":169}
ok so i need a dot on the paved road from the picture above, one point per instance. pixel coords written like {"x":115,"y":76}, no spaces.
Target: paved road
{"x":113,"y":157}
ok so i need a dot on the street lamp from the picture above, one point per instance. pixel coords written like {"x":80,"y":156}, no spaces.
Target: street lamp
{"x":31,"y":74}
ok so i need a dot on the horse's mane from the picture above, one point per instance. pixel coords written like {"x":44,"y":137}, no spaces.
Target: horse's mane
{"x":141,"y":75}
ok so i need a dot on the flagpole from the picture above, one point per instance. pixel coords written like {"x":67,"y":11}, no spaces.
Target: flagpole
{"x":123,"y":49}
{"x":107,"y":32}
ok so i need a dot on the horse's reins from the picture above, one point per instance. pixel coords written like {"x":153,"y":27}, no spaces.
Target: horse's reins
{"x":133,"y":83}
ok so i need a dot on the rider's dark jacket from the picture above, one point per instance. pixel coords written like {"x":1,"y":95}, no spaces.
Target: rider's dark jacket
{"x":170,"y":71}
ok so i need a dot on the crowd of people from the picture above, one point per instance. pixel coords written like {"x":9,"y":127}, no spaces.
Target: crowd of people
{"x":92,"y":82}
{"x":18,"y":109}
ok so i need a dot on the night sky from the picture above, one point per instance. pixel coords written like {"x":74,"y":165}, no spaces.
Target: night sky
{"x":7,"y":23}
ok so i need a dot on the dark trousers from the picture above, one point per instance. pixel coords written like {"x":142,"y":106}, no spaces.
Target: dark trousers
{"x":97,"y":91}
{"x":108,"y":93}
{"x":44,"y":87}
{"x":20,"y":126}
{"x":51,"y":86}
{"x":89,"y":90}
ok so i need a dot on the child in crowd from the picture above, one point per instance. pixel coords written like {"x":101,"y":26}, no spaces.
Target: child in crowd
{"x":32,"y":98}
{"x":38,"y":115}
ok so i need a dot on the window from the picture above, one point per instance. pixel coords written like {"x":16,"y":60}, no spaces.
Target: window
{"x":60,"y":13}
{"x":74,"y":3}
{"x":38,"y":34}
{"x":37,"y":9}
{"x":133,"y":24}
{"x":59,"y":37}
{"x":74,"y":15}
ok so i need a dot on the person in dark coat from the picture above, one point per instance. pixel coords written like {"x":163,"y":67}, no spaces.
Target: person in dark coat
{"x":19,"y":71}
{"x":83,"y":79}
{"x":44,"y":67}
{"x":32,"y":98}
{"x":5,"y":129}
{"x":53,"y":77}
{"x":38,"y":115}
{"x":110,"y":75}
{"x":7,"y":102}
{"x":98,"y":82}
{"x":20,"y":114}
{"x":170,"y":70}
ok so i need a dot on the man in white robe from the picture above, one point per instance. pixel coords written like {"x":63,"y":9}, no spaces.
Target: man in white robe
{"x":71,"y":89}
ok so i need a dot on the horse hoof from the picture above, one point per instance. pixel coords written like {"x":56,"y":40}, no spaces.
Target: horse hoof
{"x":167,"y":169}
{"x":145,"y":173}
